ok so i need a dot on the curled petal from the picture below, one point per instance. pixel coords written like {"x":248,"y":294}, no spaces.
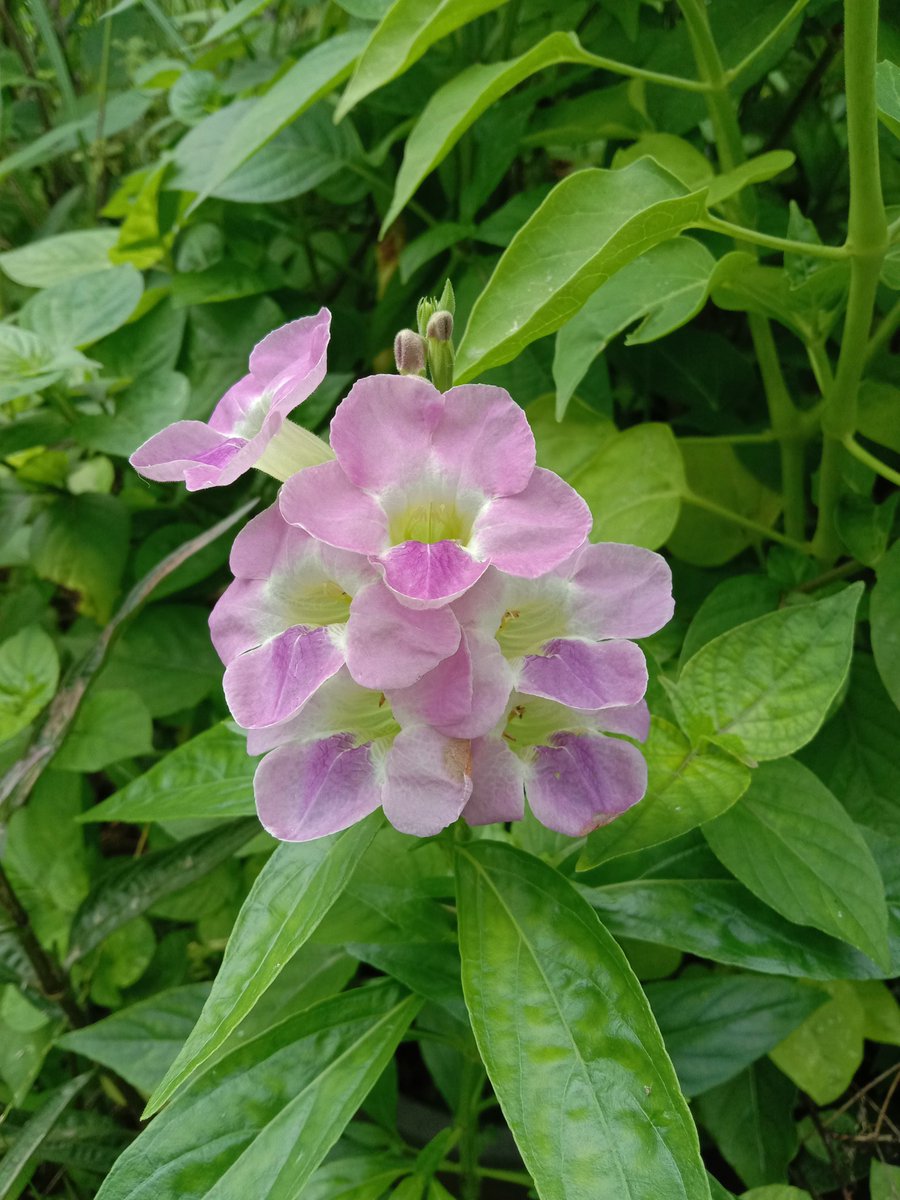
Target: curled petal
{"x":498,"y":792}
{"x":192,"y":452}
{"x":391,"y":646}
{"x":296,"y":351}
{"x":428,"y":779}
{"x":428,"y":574}
{"x":582,"y":781}
{"x":270,"y":684}
{"x":586,"y":675}
{"x":308,"y":791}
{"x":323,"y":501}
{"x":620,"y":591}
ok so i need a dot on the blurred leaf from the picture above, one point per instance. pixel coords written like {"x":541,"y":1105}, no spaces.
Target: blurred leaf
{"x":84,"y":309}
{"x":881,"y":1012}
{"x":55,"y":260}
{"x":154,"y":401}
{"x":750,"y":1120}
{"x":19,"y":1159}
{"x":109,"y":726}
{"x":823,"y":1055}
{"x":884,"y":1179}
{"x":80,"y":543}
{"x":878,"y":412}
{"x":887,"y":95}
{"x":29,"y":672}
{"x":884,"y":618}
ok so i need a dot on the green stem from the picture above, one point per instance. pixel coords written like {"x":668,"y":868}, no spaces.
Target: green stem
{"x":867,"y":241}
{"x":98,"y":165}
{"x":873,"y":463}
{"x":884,"y":331}
{"x":728,"y":514}
{"x":672,"y":81}
{"x":821,"y":365}
{"x":783,"y":415}
{"x":471,"y":1087}
{"x":520,"y":1177}
{"x":786,"y":245}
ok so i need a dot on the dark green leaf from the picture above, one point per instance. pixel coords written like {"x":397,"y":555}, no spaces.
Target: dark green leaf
{"x":750,"y":1119}
{"x":14,"y":1168}
{"x":884,"y":616}
{"x":80,"y":543}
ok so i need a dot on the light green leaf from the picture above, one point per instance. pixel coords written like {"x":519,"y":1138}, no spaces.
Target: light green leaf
{"x":80,"y":543}
{"x":732,"y":602}
{"x":685,"y":788}
{"x":674,"y":154}
{"x":233,"y":18}
{"x":887,"y":95}
{"x":881,"y":1012}
{"x":84,"y":309}
{"x":262,"y":1121}
{"x":750,"y":1120}
{"x":154,"y":401}
{"x":823,"y":1055}
{"x":591,"y":225}
{"x":662,"y":289}
{"x":29,"y":364}
{"x":209,"y":777}
{"x":108,"y":726}
{"x":775,"y":1191}
{"x":884,"y":1181}
{"x":403,"y":35}
{"x":765,"y":687}
{"x":57,"y":259}
{"x":29,"y":672}
{"x":884,"y":617}
{"x":754,"y":170}
{"x":607,"y":112}
{"x":577,"y":1061}
{"x":290,"y":896}
{"x":715,"y":1026}
{"x":20,"y":1157}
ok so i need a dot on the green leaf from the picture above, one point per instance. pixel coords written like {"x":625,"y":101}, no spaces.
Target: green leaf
{"x":151,"y":403}
{"x":884,"y":617}
{"x":29,"y":672}
{"x":233,"y":18}
{"x":57,"y":259}
{"x":824,"y":1054}
{"x":662,"y":289}
{"x":19,"y":1158}
{"x":209,"y":777}
{"x":263,"y":1119}
{"x":591,"y":225}
{"x":881,"y":1012}
{"x":884,"y":1181}
{"x":685,"y":788}
{"x":750,"y":1119}
{"x":309,"y":79}
{"x":29,"y":364}
{"x":108,"y":726}
{"x":732,"y":602}
{"x":715,"y":1026}
{"x":776,"y":1191}
{"x":403,"y":35}
{"x":430,"y":969}
{"x":576,"y":1061}
{"x":878,"y":412}
{"x":792,"y":844}
{"x":754,"y":170}
{"x":765,"y":687}
{"x":356,"y":1177}
{"x":80,"y":543}
{"x":887,"y":95}
{"x":81,"y":310}
{"x":290,"y":896}
{"x":130,"y":888}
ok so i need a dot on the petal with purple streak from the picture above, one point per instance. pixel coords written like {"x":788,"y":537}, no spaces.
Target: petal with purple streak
{"x":426,"y":574}
{"x":268,"y":685}
{"x":308,"y":791}
{"x":428,"y":780}
{"x":620,"y":591}
{"x":323,"y":501}
{"x":187,"y":450}
{"x":498,"y":792}
{"x":389,"y":645}
{"x":586,"y":674}
{"x":582,"y":781}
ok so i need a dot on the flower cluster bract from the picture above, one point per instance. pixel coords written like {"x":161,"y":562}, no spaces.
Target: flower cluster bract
{"x":420,"y":624}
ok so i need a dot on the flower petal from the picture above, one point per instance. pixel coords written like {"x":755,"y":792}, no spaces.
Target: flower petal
{"x":381,"y":432}
{"x":296,"y":349}
{"x":632,"y":719}
{"x":428,"y":780}
{"x":391,"y":646}
{"x":583,"y":780}
{"x":268,"y":685}
{"x":533,"y":531}
{"x":241,"y":620}
{"x":308,"y":791}
{"x":586,"y":674}
{"x":620,"y":591}
{"x":323,"y":501}
{"x":498,"y":792}
{"x":484,"y":440}
{"x":266,"y":540}
{"x":192,"y":452}
{"x":428,"y":574}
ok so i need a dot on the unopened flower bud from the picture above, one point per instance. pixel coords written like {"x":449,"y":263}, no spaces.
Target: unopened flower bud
{"x":409,"y":353}
{"x":440,"y":327}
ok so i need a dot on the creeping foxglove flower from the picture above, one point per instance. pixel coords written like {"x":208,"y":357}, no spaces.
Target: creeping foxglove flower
{"x":285,"y":368}
{"x":298,"y":610}
{"x":434,"y":487}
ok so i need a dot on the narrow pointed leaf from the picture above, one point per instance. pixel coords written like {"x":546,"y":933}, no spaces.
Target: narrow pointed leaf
{"x":16,"y":1161}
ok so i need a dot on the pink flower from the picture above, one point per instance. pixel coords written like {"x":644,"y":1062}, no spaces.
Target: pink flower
{"x":435,"y":487}
{"x":285,"y":368}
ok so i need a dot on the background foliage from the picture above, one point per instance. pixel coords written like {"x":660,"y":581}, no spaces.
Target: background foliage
{"x":324,"y":1018}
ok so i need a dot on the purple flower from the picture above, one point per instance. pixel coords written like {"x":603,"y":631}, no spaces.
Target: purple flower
{"x":298,"y":610}
{"x":285,"y":368}
{"x":435,"y":487}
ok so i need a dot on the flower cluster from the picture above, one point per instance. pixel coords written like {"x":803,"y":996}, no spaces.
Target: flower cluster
{"x":419,"y":623}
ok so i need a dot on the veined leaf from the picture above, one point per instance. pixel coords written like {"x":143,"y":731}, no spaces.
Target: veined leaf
{"x":84,"y":309}
{"x":29,"y":672}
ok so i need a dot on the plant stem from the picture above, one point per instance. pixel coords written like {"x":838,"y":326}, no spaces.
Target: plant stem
{"x":728,"y":514}
{"x":873,"y":463}
{"x":471,"y":1087}
{"x":784,"y":418}
{"x":787,"y":245}
{"x":98,"y":165}
{"x":520,"y":1177}
{"x":867,"y":242}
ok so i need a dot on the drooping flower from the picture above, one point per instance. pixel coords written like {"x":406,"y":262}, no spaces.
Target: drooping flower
{"x":298,"y":610}
{"x":436,"y":486}
{"x":285,"y":368}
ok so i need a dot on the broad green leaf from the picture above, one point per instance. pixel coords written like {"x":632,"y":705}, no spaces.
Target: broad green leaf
{"x":607,"y":112}
{"x":29,"y":672}
{"x":776,"y":1191}
{"x":403,"y":35}
{"x":766,"y":686}
{"x":674,"y":154}
{"x":721,"y":920}
{"x":881,"y":1012}
{"x":81,"y":543}
{"x":662,"y":289}
{"x":884,"y":617}
{"x":356,"y":1177}
{"x":576,"y":1060}
{"x":20,"y":1157}
{"x":750,"y":1120}
{"x":290,"y":896}
{"x":715,"y":1026}
{"x":28,"y":363}
{"x":261,"y":1121}
{"x":825,"y":1052}
{"x":57,"y":259}
{"x":310,"y":78}
{"x":193,"y":95}
{"x":864,"y":526}
{"x":81,"y":310}
{"x":754,"y":170}
{"x":716,"y":473}
{"x":884,"y":1179}
{"x":887,"y":95}
{"x":233,"y":18}
{"x":129,"y":888}
{"x":430,"y":969}
{"x":686,"y":787}
{"x":209,"y":777}
{"x":151,"y":403}
{"x":108,"y":726}
{"x":878,"y":403}
{"x":147,"y":346}
{"x":732,"y":602}
{"x":792,"y":844}
{"x":591,"y":225}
